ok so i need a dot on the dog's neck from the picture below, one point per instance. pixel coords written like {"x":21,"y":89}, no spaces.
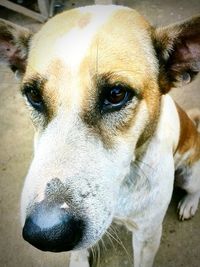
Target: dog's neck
{"x":142,"y":176}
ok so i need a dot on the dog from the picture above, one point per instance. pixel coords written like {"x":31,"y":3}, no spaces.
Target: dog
{"x":109,"y":139}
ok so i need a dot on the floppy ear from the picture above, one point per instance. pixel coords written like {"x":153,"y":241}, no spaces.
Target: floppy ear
{"x":178,"y":49}
{"x":14,"y":42}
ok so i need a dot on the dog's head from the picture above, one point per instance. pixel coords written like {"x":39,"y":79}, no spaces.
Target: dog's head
{"x":93,"y":79}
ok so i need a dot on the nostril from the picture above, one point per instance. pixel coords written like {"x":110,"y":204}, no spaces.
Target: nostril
{"x":53,"y":229}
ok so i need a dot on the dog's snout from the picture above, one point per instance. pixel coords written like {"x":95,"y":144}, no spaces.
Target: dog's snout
{"x":52,"y":229}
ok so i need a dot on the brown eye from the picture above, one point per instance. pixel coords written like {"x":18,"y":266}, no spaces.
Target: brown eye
{"x":115,"y":97}
{"x":34,"y":98}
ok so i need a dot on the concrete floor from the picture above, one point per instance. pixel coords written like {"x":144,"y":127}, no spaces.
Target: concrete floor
{"x":180,"y":244}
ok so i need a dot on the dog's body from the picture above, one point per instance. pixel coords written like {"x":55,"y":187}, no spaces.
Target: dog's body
{"x":109,"y":138}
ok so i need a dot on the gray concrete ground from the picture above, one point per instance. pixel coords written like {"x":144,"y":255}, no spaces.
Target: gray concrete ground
{"x":180,"y":244}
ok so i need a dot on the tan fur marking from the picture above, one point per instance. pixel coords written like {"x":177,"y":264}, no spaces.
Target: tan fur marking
{"x":42,"y":49}
{"x":57,"y":75}
{"x":128,"y":55}
{"x":152,"y":96}
{"x":123,"y":51}
{"x":84,"y":21}
{"x":189,"y":137}
{"x":194,"y":115}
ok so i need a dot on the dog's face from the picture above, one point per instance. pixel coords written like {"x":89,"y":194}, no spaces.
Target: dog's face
{"x":88,"y":107}
{"x":92,"y":86}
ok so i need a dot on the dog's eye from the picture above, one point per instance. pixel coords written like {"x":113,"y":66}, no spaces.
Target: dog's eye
{"x":34,"y":98}
{"x":116,"y":97}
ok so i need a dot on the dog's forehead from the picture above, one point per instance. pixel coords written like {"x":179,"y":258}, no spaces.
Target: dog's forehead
{"x":107,"y":35}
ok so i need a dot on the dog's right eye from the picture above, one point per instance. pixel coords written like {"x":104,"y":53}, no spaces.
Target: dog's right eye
{"x":115,"y":97}
{"x":35,"y":99}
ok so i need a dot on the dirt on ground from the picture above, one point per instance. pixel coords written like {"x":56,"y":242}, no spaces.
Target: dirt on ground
{"x":180,"y":245}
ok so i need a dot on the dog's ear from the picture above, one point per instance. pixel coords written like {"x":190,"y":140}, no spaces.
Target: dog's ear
{"x":14,"y":43}
{"x":178,"y":50}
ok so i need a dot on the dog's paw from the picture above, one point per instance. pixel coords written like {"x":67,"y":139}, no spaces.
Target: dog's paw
{"x":187,"y":207}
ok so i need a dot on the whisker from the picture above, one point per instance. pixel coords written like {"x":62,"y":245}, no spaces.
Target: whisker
{"x":92,"y":254}
{"x":110,"y":240}
{"x":118,"y":240}
{"x":98,"y":255}
{"x":103,"y":245}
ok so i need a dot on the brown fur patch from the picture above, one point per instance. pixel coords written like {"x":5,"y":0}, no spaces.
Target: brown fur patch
{"x":57,"y":86}
{"x":42,"y":50}
{"x":54,"y":88}
{"x":122,"y":53}
{"x":189,"y":139}
{"x":194,"y":115}
{"x":153,"y":98}
{"x":84,"y":21}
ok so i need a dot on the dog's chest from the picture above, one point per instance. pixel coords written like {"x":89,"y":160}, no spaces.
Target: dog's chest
{"x":147,"y":189}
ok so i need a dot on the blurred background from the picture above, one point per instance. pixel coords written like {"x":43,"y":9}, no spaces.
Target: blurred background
{"x":180,"y":244}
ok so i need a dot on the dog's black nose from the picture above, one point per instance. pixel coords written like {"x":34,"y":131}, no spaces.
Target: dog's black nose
{"x":52,"y":229}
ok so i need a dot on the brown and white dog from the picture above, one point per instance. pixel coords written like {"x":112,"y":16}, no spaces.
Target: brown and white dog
{"x":109,"y":139}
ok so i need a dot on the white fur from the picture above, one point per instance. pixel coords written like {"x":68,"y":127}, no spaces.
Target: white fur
{"x":115,"y":187}
{"x":56,"y":155}
{"x":145,"y":199}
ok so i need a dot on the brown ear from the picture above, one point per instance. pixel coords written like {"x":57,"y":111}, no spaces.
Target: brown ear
{"x":178,"y":49}
{"x":14,"y":42}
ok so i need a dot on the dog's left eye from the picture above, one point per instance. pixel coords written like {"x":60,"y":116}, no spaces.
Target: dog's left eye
{"x":116,"y":97}
{"x":34,"y":98}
